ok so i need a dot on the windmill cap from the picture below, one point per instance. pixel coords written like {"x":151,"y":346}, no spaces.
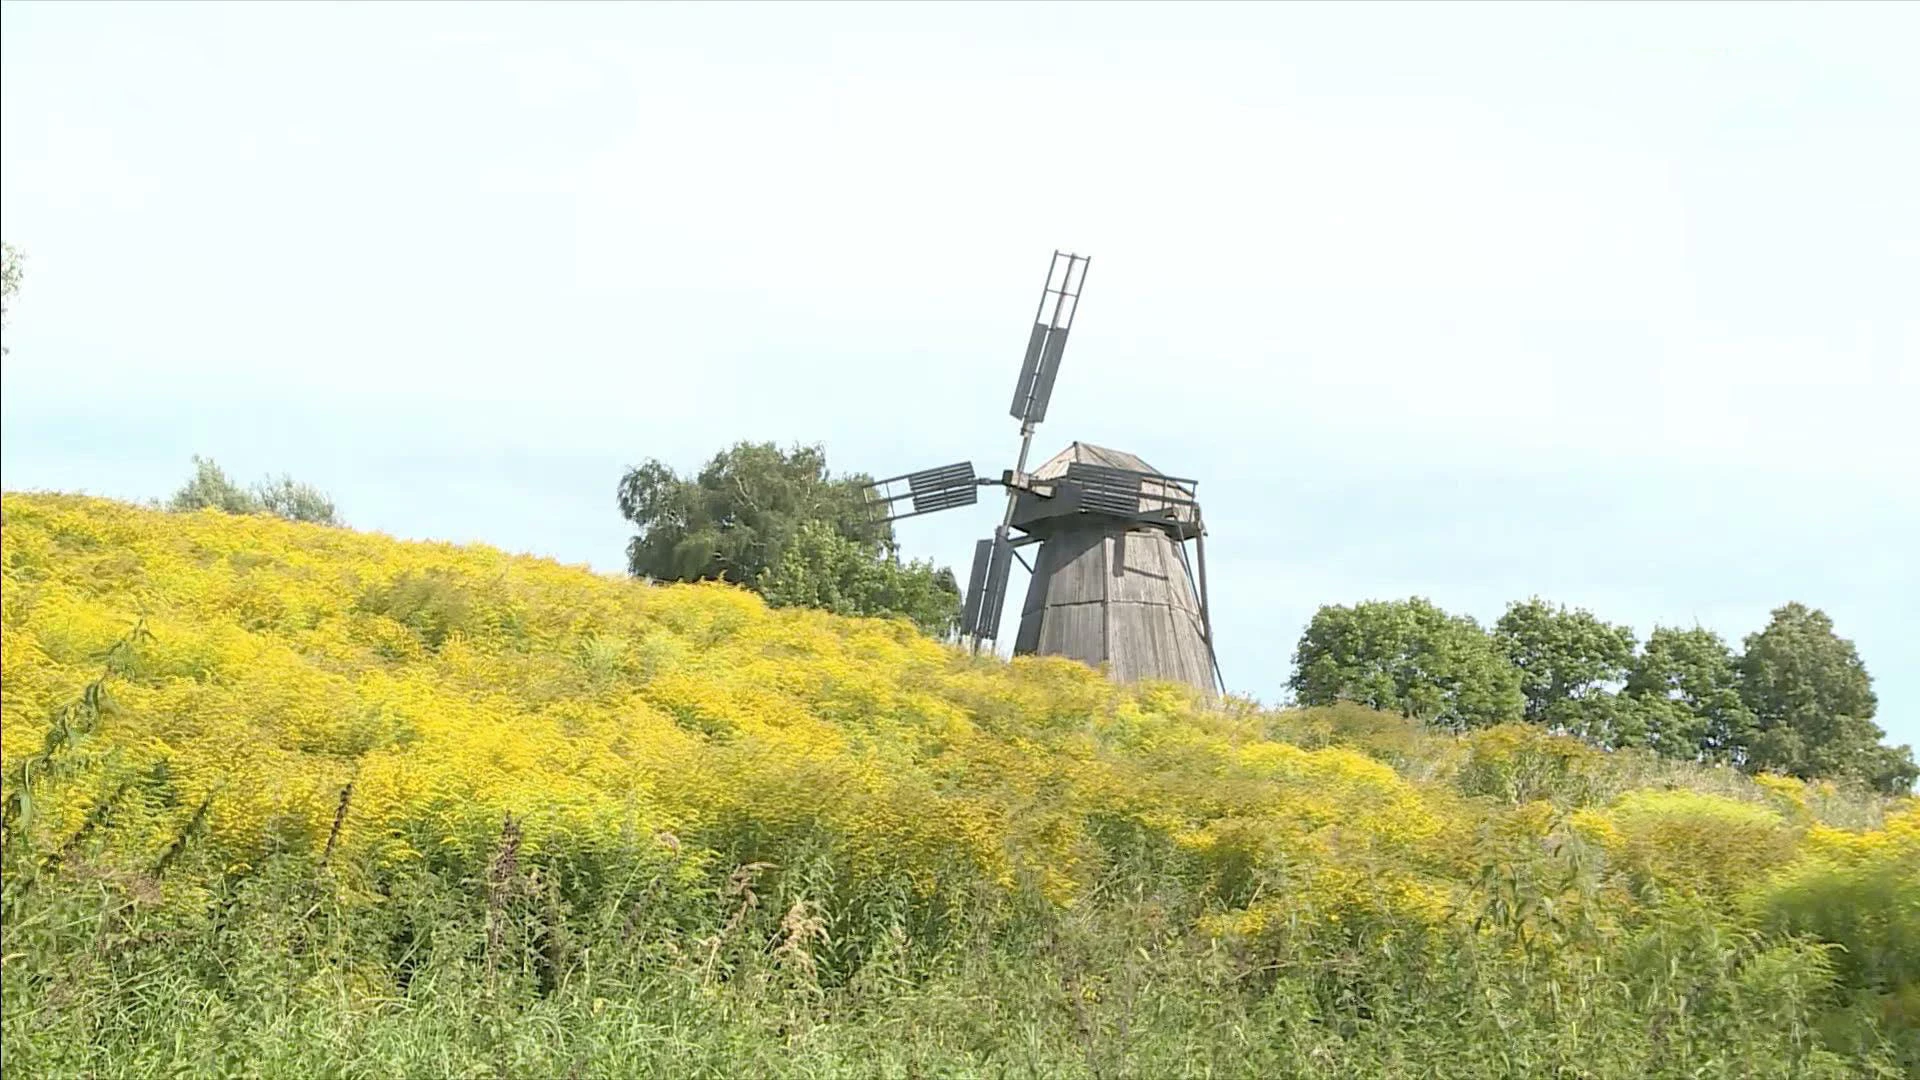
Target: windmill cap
{"x":1081,"y":453}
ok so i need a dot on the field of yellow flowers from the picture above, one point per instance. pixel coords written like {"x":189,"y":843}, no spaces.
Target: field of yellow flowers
{"x":292,"y":800}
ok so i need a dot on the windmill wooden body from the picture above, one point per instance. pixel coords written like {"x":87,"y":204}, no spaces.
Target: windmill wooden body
{"x":1111,"y":584}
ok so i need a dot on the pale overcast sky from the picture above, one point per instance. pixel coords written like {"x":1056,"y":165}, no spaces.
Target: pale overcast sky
{"x":1616,"y":304}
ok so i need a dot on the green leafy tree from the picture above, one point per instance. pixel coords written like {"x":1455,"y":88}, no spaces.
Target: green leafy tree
{"x":822,"y":569}
{"x":1813,"y":703}
{"x":1410,"y":657}
{"x":211,"y":489}
{"x":778,"y":522}
{"x":1889,"y":769}
{"x":10,"y":273}
{"x":1569,"y":664}
{"x":1687,"y":684}
{"x":734,"y":519}
{"x":295,"y":501}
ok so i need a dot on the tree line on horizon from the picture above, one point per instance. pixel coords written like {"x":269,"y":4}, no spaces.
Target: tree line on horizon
{"x":1795,"y":699}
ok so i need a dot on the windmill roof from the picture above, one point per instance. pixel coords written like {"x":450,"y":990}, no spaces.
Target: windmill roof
{"x":1090,"y":454}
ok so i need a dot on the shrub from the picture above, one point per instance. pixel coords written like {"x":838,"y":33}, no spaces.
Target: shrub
{"x":210,"y":489}
{"x":1519,"y":763}
{"x":1697,"y":844}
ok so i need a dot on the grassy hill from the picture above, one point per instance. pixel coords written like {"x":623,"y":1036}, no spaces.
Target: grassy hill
{"x":294,"y":800}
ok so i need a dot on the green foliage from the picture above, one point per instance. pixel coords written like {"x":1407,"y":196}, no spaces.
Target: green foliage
{"x":1410,"y":657}
{"x":1708,"y":845}
{"x":1382,"y":735}
{"x":302,"y":970}
{"x":294,"y":501}
{"x":1798,"y":702}
{"x":10,"y":274}
{"x":211,"y":489}
{"x":734,"y":519}
{"x":1688,"y":684}
{"x":779,"y":523}
{"x":1568,"y":663}
{"x":1813,"y":703}
{"x":1517,"y":763}
{"x":1871,"y":909}
{"x":1889,"y":769}
{"x":10,"y":271}
{"x":822,"y":569}
{"x":1860,"y":892}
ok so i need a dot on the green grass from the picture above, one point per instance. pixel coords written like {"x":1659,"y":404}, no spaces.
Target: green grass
{"x":291,"y":972}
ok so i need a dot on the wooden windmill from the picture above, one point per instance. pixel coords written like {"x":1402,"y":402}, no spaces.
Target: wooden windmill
{"x":1111,"y":583}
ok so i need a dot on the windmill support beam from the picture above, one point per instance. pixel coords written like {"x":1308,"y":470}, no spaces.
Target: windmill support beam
{"x":1206,"y":610}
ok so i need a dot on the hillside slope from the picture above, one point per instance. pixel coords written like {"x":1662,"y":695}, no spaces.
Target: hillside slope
{"x":360,"y":806}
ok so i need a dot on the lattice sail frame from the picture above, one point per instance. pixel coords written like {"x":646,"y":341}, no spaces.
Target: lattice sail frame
{"x":924,"y":492}
{"x":1059,"y":302}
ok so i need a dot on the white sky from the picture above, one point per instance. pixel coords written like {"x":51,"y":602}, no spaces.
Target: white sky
{"x":1611,"y":303}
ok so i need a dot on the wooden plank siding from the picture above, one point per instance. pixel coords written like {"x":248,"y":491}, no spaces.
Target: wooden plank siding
{"x":1106,"y":595}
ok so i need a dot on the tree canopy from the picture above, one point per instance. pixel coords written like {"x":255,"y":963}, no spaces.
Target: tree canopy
{"x":734,"y":518}
{"x":1797,"y":701}
{"x":1568,"y":663}
{"x":1812,"y":701}
{"x":1687,"y":685}
{"x":210,"y":488}
{"x":1410,"y":657}
{"x":10,"y":274}
{"x":822,"y":569}
{"x":778,"y":522}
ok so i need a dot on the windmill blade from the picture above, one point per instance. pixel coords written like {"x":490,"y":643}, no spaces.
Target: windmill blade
{"x":976,"y":584}
{"x":987,"y":588}
{"x":1059,"y":301}
{"x":911,"y":494}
